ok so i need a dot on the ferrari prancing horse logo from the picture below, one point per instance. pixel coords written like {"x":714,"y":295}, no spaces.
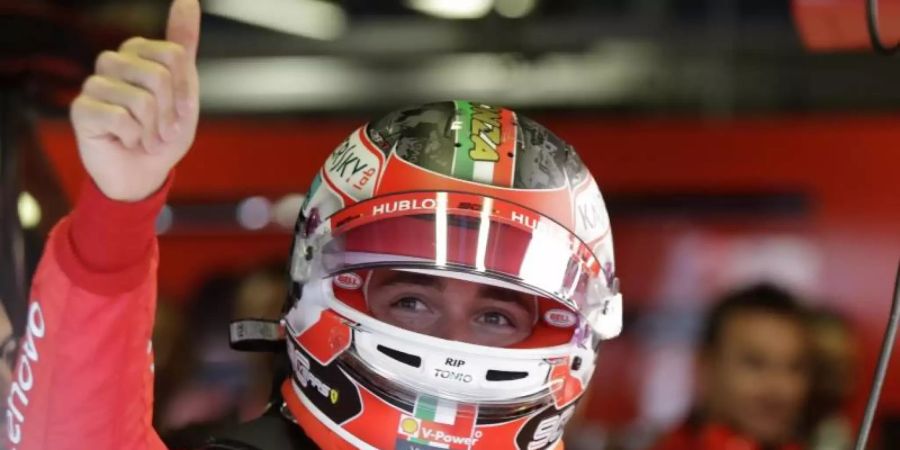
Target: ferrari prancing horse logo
{"x":333,"y":396}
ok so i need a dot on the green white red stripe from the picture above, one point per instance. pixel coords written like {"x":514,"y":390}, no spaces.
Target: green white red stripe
{"x":435,"y":410}
{"x":485,"y":144}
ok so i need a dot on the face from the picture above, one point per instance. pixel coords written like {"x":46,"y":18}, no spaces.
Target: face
{"x":451,"y":309}
{"x":835,"y":348}
{"x":756,"y":378}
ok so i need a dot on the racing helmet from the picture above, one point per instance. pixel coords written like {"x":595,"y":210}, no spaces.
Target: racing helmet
{"x":447,"y":191}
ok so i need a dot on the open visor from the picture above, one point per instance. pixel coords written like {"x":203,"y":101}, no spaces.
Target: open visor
{"x":472,"y":234}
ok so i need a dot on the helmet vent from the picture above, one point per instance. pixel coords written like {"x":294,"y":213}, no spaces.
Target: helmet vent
{"x":405,"y":358}
{"x":503,"y":375}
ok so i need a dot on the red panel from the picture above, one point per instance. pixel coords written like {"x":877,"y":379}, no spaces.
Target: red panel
{"x":187,"y":260}
{"x":829,"y":25}
{"x":230,"y":158}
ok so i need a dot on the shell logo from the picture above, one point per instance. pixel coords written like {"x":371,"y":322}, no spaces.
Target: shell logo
{"x":409,"y":425}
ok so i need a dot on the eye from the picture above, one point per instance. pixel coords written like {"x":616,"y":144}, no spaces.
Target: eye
{"x":495,"y":319}
{"x":411,"y":304}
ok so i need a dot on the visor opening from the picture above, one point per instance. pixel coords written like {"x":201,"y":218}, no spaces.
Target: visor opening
{"x":503,"y":375}
{"x":405,"y":358}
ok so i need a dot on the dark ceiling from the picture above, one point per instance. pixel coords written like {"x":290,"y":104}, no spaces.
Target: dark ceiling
{"x":696,"y":57}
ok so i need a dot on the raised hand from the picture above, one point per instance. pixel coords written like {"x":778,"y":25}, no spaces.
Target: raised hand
{"x":136,"y":117}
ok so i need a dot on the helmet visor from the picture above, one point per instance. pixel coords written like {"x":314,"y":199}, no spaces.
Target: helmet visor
{"x":476,"y":235}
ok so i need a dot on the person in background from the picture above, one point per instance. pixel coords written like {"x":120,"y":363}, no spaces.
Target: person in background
{"x":835,"y":350}
{"x":754,"y":375}
{"x":172,"y":353}
{"x":213,"y":375}
{"x":260,"y":296}
{"x":209,"y":385}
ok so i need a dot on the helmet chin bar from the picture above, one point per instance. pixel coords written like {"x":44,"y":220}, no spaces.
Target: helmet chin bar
{"x":402,"y":396}
{"x":448,"y":370}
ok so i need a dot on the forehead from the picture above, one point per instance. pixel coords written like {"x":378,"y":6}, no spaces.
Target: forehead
{"x":384,"y":277}
{"x":764,"y":331}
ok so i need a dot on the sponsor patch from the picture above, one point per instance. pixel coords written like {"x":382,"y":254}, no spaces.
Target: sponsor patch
{"x":354,"y":166}
{"x":438,"y":424}
{"x":409,"y":426}
{"x":334,"y":396}
{"x":348,"y":280}
{"x":544,"y":429}
{"x":560,"y":318}
{"x":591,"y":219}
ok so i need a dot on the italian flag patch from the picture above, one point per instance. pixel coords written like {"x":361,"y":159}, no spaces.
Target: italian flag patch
{"x":438,"y":423}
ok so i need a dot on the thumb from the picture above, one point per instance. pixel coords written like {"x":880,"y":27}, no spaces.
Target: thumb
{"x":184,"y":25}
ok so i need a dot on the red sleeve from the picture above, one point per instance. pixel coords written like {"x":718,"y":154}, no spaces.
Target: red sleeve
{"x":84,"y":380}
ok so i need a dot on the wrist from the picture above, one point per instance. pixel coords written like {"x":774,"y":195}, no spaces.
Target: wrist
{"x":133,"y":194}
{"x":109,"y":234}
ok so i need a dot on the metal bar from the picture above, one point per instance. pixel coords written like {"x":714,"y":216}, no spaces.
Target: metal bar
{"x":887,"y":347}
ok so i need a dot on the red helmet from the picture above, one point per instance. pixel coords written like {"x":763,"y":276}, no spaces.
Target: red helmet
{"x":448,"y":191}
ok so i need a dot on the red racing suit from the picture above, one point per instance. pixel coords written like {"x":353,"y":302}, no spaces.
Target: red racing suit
{"x":84,"y":376}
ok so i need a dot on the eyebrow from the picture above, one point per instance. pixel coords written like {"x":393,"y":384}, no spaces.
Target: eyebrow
{"x":401,"y":277}
{"x":506,"y":296}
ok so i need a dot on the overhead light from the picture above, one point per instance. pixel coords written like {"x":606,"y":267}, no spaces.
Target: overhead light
{"x":515,"y":9}
{"x":254,"y":213}
{"x":602,"y":75}
{"x":287,"y":209}
{"x":29,"y":211}
{"x":314,"y":19}
{"x":164,"y":219}
{"x":273,"y":83}
{"x":452,"y":9}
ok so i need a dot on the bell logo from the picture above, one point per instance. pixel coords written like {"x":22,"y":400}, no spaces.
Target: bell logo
{"x":333,"y":396}
{"x":349,"y":280}
{"x":560,"y":318}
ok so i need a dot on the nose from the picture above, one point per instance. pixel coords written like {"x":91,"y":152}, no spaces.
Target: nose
{"x":458,"y":331}
{"x":453,"y":327}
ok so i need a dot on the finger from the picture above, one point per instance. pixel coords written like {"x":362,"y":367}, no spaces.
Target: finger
{"x":183,"y":26}
{"x":93,"y":118}
{"x":168,"y":54}
{"x":146,"y":74}
{"x":140,"y":103}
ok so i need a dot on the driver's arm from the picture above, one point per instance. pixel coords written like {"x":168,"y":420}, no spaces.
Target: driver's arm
{"x":84,"y":378}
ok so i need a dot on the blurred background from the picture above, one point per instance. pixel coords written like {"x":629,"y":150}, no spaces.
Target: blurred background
{"x":737,"y":142}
